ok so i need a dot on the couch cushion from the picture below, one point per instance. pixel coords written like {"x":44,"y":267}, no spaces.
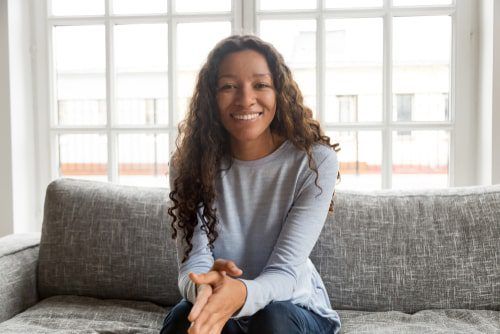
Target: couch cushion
{"x":107,"y":241}
{"x":429,"y":321}
{"x":411,"y":251}
{"x":18,"y":262}
{"x":74,"y":314}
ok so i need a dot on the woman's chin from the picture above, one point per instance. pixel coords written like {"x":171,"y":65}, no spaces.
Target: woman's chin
{"x":249,"y":137}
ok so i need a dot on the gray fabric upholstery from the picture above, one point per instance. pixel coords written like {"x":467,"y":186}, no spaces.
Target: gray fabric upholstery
{"x":74,"y":314}
{"x":15,"y":243}
{"x":433,"y":255}
{"x":429,"y":321}
{"x":411,"y":251}
{"x":107,"y":241}
{"x":18,"y":259}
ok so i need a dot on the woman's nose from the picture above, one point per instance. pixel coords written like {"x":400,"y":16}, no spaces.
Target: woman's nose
{"x":245,"y":97}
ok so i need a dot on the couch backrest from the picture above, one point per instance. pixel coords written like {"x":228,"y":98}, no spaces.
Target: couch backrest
{"x":107,"y":241}
{"x":385,"y":250}
{"x":409,"y":251}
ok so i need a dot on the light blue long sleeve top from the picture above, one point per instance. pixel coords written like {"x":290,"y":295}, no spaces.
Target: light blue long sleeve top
{"x":270,"y":214}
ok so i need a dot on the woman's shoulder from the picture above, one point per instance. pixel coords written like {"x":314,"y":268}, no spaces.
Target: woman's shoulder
{"x":321,"y":153}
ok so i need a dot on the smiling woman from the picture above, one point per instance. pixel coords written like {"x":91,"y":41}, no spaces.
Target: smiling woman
{"x":247,"y":104}
{"x":252,"y":182}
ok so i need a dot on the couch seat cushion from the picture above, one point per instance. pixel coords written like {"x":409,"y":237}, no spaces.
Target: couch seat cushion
{"x":76,"y":314}
{"x":453,"y":321}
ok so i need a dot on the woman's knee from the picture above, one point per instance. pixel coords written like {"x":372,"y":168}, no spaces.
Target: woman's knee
{"x":276,"y":317}
{"x":176,"y":320}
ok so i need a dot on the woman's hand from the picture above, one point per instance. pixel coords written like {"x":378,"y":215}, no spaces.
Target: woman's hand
{"x":205,"y":290}
{"x":227,"y":296}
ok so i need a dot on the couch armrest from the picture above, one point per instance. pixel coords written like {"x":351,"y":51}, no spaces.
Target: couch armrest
{"x":18,"y":267}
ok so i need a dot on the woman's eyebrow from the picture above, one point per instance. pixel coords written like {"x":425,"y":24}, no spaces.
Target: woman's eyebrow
{"x":262,"y":75}
{"x":231,"y":76}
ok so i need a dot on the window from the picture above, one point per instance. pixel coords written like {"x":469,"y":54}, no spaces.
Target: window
{"x":347,"y":108}
{"x":378,"y":74}
{"x":122,"y":74}
{"x":404,"y":107}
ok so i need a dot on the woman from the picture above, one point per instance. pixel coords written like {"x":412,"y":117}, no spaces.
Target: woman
{"x":252,"y":182}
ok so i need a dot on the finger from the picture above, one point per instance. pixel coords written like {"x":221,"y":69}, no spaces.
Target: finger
{"x":211,"y":324}
{"x":217,"y":329}
{"x":200,"y":322}
{"x":227,"y":265}
{"x":201,"y":301}
{"x":212,"y":277}
{"x":191,"y":329}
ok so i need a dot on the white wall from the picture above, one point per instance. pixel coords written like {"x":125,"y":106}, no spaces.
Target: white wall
{"x":21,"y":106}
{"x":6,"y":200}
{"x":17,"y":130}
{"x":488,"y":162}
{"x":464,"y":152}
{"x":496,"y":97}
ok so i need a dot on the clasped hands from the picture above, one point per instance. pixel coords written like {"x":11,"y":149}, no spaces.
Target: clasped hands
{"x":219,"y":297}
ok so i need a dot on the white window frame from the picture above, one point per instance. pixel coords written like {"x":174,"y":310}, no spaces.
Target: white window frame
{"x":111,"y":129}
{"x":461,"y":92}
{"x":245,"y":19}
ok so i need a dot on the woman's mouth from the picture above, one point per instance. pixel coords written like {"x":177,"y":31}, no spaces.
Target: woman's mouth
{"x":246,"y":117}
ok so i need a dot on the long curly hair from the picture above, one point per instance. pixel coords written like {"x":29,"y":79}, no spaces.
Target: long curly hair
{"x":203,"y":142}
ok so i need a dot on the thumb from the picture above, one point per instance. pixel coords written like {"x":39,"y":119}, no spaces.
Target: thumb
{"x":212,"y":277}
{"x":228,"y":266}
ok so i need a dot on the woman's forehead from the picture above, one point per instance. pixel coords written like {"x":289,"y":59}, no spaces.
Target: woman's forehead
{"x":248,"y":62}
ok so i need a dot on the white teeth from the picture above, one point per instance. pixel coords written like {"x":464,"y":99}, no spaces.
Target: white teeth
{"x":246,"y":117}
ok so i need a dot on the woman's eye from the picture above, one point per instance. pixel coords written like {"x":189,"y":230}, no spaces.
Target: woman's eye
{"x":261,"y":85}
{"x":226,"y":86}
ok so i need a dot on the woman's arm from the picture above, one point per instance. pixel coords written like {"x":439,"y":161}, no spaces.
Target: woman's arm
{"x":200,"y":258}
{"x":296,"y":240}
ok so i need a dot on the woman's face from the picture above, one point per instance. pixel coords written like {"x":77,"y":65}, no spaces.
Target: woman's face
{"x":246,"y":97}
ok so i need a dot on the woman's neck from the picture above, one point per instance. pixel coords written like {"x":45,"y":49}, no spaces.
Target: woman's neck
{"x":256,"y":149}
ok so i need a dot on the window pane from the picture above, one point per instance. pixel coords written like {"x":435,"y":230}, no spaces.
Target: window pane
{"x":139,"y":7}
{"x":354,"y":53}
{"x":360,"y":158}
{"x":422,"y":47}
{"x":286,"y":4}
{"x":77,"y":7}
{"x":141,"y":74}
{"x":198,"y":6}
{"x":79,"y":61}
{"x":420,"y":159}
{"x":298,"y":50}
{"x":83,"y":156}
{"x":192,"y":50}
{"x":352,"y":4}
{"x":421,"y":2}
{"x":143,"y":159}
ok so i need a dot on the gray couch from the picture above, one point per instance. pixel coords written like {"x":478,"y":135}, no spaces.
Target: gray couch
{"x":393,"y":262}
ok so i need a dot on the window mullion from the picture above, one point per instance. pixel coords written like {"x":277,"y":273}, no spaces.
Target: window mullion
{"x":451,"y":99}
{"x":250,"y":25}
{"x":172,"y":92}
{"x":54,"y":140}
{"x":387,"y":99}
{"x":320,"y":64}
{"x":110,"y":98}
{"x":237,"y":17}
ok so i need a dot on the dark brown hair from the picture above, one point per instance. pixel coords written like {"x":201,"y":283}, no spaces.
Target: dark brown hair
{"x":203,"y":142}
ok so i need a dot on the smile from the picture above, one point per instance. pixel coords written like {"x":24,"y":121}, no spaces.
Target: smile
{"x":247,"y":117}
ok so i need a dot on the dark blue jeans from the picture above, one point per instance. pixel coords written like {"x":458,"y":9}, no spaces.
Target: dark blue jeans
{"x":277,"y":317}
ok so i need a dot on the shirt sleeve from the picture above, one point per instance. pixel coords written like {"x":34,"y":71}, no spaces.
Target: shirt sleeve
{"x":299,"y":234}
{"x":200,"y":258}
